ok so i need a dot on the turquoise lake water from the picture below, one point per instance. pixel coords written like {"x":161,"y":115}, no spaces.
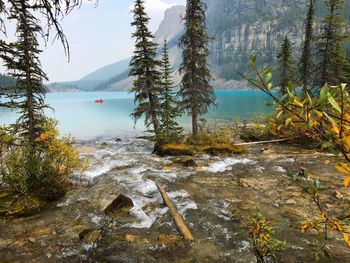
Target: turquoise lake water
{"x":80,"y":116}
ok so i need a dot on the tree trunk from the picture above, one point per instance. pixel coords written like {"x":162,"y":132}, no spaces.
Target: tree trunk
{"x":194,"y":123}
{"x":178,"y":219}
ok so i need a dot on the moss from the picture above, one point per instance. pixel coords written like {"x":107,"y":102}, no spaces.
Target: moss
{"x":220,"y":149}
{"x":191,"y":150}
{"x":175,"y":150}
{"x":15,"y":205}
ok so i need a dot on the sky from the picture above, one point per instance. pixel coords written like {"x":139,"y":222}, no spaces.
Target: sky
{"x":97,"y":36}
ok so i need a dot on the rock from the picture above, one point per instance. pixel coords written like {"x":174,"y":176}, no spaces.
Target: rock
{"x":168,"y":168}
{"x":118,"y":140}
{"x":92,"y":236}
{"x":105,"y":144}
{"x":246,"y":182}
{"x":291,"y":202}
{"x":169,"y":241}
{"x":338,"y":195}
{"x":120,"y":204}
{"x":32,"y":240}
{"x":266,"y":150}
{"x":150,"y":207}
{"x":190,"y":163}
{"x":130,"y":238}
{"x":136,"y":239}
{"x":199,"y":167}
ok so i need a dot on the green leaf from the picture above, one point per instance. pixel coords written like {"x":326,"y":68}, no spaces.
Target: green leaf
{"x":317,"y":256}
{"x":330,"y":119}
{"x":310,"y":123}
{"x":333,"y":103}
{"x":309,"y":98}
{"x":290,"y":91}
{"x":253,"y":60}
{"x":327,"y":255}
{"x":326,"y":145}
{"x":268,"y":77}
{"x":323,"y":94}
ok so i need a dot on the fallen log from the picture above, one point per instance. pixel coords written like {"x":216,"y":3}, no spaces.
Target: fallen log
{"x":178,"y":219}
{"x":260,"y":142}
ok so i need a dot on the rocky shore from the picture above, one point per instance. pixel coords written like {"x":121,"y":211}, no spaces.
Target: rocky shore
{"x":214,"y":194}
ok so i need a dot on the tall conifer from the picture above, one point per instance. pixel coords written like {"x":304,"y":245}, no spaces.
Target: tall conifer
{"x":22,"y":60}
{"x":332,"y":63}
{"x":143,"y":67}
{"x":169,"y":128}
{"x":195,"y":91}
{"x":287,"y":69}
{"x":306,"y":62}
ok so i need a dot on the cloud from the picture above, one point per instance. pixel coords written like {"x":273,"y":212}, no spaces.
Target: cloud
{"x":156,"y":5}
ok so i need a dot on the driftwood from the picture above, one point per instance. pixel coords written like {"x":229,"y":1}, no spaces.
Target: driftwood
{"x":260,"y":142}
{"x":178,"y":219}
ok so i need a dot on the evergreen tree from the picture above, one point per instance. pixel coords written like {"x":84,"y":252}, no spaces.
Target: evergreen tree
{"x":143,"y":67}
{"x":169,"y":128}
{"x":22,"y":61}
{"x":332,"y":64}
{"x":195,"y":91}
{"x":306,"y":62}
{"x":287,"y":69}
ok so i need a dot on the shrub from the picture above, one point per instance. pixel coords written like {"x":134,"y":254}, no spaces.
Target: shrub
{"x":40,"y":169}
{"x":263,"y":242}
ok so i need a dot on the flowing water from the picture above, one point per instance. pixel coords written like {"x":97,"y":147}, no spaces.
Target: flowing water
{"x":216,"y":197}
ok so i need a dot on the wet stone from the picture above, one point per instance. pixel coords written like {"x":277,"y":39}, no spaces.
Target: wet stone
{"x":190,"y":163}
{"x":291,"y":202}
{"x":169,"y":240}
{"x":338,"y":195}
{"x":90,"y":236}
{"x":120,"y":204}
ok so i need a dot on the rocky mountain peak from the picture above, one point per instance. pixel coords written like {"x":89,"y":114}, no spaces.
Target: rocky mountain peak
{"x":172,"y":23}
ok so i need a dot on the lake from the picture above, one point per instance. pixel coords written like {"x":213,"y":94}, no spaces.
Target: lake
{"x":80,"y":116}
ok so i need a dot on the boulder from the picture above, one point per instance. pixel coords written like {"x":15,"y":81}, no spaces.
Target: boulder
{"x":119,"y":204}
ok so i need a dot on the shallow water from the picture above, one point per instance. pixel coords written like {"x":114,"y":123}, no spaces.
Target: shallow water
{"x":215,"y":198}
{"x":80,"y":116}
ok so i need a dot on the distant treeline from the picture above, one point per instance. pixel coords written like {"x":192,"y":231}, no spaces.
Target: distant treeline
{"x":6,"y":81}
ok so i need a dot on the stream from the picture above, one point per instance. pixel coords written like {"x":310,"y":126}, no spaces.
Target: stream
{"x":215,"y":196}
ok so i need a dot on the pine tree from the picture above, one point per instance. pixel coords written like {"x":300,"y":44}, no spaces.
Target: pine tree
{"x":332,"y":64}
{"x":169,"y":128}
{"x":195,"y":91}
{"x":22,"y":60}
{"x":287,"y":69}
{"x":306,"y":62}
{"x":143,"y":67}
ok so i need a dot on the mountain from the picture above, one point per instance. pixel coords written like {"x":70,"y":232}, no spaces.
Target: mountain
{"x":171,"y":25}
{"x":108,"y":71}
{"x":239,"y":28}
{"x":171,"y":28}
{"x":243,"y":27}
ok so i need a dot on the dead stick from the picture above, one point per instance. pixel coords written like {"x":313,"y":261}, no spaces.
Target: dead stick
{"x":260,"y":142}
{"x":178,"y":219}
